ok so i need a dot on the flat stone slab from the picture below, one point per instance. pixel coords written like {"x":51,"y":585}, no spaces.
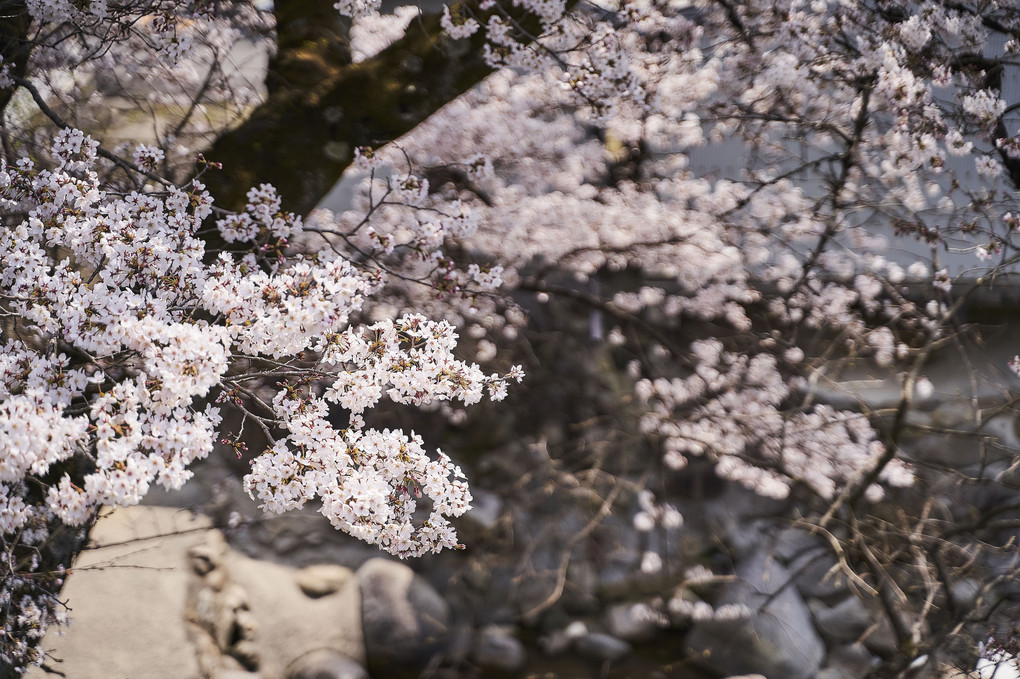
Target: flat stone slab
{"x":126,"y":594}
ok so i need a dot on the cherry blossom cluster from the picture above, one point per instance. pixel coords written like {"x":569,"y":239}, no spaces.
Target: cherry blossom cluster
{"x":592,"y":61}
{"x":737,"y":415}
{"x":104,"y":334}
{"x":27,"y":615}
{"x":130,"y":304}
{"x":370,"y":481}
{"x":117,"y":331}
{"x":373,"y":32}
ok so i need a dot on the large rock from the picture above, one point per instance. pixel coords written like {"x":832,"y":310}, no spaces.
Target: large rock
{"x":497,"y":651}
{"x":852,"y":661}
{"x":793,"y":543}
{"x":289,"y":624}
{"x":126,"y":597}
{"x":844,"y":622}
{"x":777,"y":640}
{"x":406,"y":622}
{"x":179,"y":602}
{"x":602,"y":647}
{"x":819,"y":575}
{"x":559,"y":641}
{"x":734,"y":518}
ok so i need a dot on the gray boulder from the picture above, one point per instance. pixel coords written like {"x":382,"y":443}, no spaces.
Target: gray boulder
{"x":604,"y":647}
{"x":819,"y":575}
{"x":559,"y":641}
{"x":843,"y":623}
{"x":778,"y":639}
{"x":496,"y":650}
{"x":405,"y":621}
{"x":852,"y":661}
{"x":793,"y":543}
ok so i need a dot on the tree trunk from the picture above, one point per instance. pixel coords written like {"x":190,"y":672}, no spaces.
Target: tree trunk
{"x":303,"y":137}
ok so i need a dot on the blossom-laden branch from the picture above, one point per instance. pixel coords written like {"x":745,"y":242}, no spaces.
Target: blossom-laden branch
{"x":116,"y":331}
{"x":142,"y":317}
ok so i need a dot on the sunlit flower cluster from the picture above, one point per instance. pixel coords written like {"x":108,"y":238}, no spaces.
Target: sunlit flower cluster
{"x":158,"y":328}
{"x":120,"y":329}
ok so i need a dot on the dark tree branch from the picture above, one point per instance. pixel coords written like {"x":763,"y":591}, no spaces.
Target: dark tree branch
{"x":15,"y":46}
